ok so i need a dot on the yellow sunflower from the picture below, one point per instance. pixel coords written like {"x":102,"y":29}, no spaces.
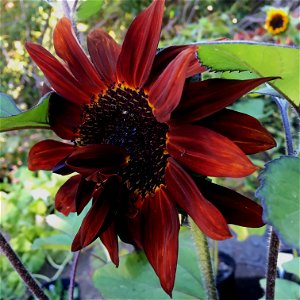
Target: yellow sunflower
{"x":276,"y":21}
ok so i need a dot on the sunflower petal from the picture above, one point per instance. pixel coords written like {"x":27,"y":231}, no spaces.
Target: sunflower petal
{"x":64,"y":116}
{"x":58,"y":76}
{"x":109,"y":239}
{"x":89,"y":159}
{"x":68,"y":48}
{"x":207,"y":152}
{"x":139,"y":46}
{"x":84,"y":194}
{"x":46,"y":154}
{"x":185,"y":193}
{"x":92,"y":226}
{"x":201,"y":99}
{"x":165,"y":93}
{"x":236,"y":208}
{"x":65,"y":197}
{"x":245,"y":131}
{"x":160,"y":228}
{"x":104,"y":53}
{"x":165,"y":56}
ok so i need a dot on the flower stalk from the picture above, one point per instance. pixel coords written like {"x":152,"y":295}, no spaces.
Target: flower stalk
{"x":21,"y":270}
{"x":73,"y":275}
{"x":205,"y":261}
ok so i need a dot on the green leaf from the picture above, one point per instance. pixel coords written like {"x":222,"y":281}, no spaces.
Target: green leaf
{"x":293,"y":266}
{"x":262,"y":59}
{"x":88,"y":8}
{"x":279,"y":192}
{"x":8,"y":106}
{"x":284,"y":289}
{"x":54,"y":242}
{"x":36,"y":117}
{"x":243,"y":233}
{"x":135,"y":279}
{"x":252,"y":107}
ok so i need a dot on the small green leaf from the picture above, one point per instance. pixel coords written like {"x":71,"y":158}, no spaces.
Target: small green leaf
{"x":262,"y":59}
{"x":284,"y":289}
{"x":8,"y":106}
{"x":135,"y":279}
{"x":36,"y":117}
{"x":54,"y":242}
{"x":279,"y":193}
{"x":242,"y":233}
{"x":88,"y":8}
{"x":293,"y":266}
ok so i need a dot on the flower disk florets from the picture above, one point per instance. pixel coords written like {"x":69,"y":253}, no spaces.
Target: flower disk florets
{"x":122,"y":117}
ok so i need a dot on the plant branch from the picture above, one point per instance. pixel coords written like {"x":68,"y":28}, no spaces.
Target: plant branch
{"x":73,"y":274}
{"x":272,"y":264}
{"x":205,"y":261}
{"x":20,"y":268}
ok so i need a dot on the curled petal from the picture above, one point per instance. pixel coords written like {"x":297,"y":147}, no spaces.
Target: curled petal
{"x":208,"y":153}
{"x":236,"y":208}
{"x":109,"y":239}
{"x":68,"y":48}
{"x":165,"y":93}
{"x":165,"y":56}
{"x":89,"y":159}
{"x":65,"y":197}
{"x":58,"y":76}
{"x":64,"y":116}
{"x":93,"y":225}
{"x":139,"y":46}
{"x":245,"y":131}
{"x":160,"y":228}
{"x":46,"y":154}
{"x":201,"y":99}
{"x":104,"y":53}
{"x":186,"y":194}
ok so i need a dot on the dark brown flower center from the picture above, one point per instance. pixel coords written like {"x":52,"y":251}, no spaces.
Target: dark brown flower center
{"x":122,"y":117}
{"x":277,"y":21}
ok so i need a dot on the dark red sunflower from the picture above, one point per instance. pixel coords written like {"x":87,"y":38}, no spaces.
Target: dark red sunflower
{"x":138,"y":131}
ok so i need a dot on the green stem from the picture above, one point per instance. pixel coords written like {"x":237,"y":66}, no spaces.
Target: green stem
{"x":205,"y":261}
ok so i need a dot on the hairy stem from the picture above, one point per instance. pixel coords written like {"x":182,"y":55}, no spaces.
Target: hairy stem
{"x":283,"y":108}
{"x":272,"y":265}
{"x":20,"y":268}
{"x":205,"y":261}
{"x":73,"y":275}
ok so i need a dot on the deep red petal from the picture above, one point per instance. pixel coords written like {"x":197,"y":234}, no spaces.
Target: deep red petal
{"x":68,"y":48}
{"x":201,"y":99}
{"x":110,"y":240}
{"x":58,"y":76}
{"x":64,"y":116}
{"x":104,"y":53}
{"x":165,"y":56}
{"x":160,"y":228}
{"x":65,"y":197}
{"x":236,"y":208}
{"x":103,"y":202}
{"x":89,"y":159}
{"x":139,"y":46}
{"x":186,"y":194}
{"x":46,"y":154}
{"x":84,"y":194}
{"x":244,"y":130}
{"x":207,"y":152}
{"x":165,"y":93}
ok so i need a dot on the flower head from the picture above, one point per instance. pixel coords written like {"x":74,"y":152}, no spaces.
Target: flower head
{"x":276,"y":21}
{"x":137,"y":131}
